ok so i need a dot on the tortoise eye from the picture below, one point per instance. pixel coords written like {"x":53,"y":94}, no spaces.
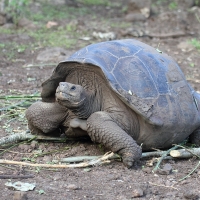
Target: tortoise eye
{"x":73,"y":88}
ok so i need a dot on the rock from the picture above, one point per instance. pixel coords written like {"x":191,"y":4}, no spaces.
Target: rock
{"x":147,"y":170}
{"x":138,"y":10}
{"x":20,"y":195}
{"x":185,"y":46}
{"x":162,"y":23}
{"x":47,"y":159}
{"x":131,"y":17}
{"x":25,"y":23}
{"x":72,"y":3}
{"x":2,"y":20}
{"x":167,"y":169}
{"x":9,"y":26}
{"x":72,"y":187}
{"x":51,"y":24}
{"x":24,"y":147}
{"x":54,"y":54}
{"x":138,"y":192}
{"x":57,"y":177}
{"x":191,"y":194}
{"x":188,"y":3}
{"x":105,"y":36}
{"x":34,"y":144}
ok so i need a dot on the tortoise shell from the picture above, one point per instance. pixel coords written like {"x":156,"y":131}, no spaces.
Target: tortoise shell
{"x":146,"y":79}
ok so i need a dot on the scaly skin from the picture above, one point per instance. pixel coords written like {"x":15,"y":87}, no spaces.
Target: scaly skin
{"x":44,"y":118}
{"x":103,"y":129}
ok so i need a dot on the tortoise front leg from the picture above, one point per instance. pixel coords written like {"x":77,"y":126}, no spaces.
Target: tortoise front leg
{"x":103,"y":129}
{"x":45,"y":118}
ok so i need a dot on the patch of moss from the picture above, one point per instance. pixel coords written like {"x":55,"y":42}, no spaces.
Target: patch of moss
{"x":52,"y":12}
{"x":63,"y":37}
{"x":196,"y":43}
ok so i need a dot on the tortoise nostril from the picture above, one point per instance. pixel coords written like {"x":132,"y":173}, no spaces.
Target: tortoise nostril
{"x":61,"y":84}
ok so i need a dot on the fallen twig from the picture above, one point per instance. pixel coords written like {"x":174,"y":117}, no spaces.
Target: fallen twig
{"x":16,"y":137}
{"x":198,"y":18}
{"x":185,"y":153}
{"x":166,"y":35}
{"x":163,"y":186}
{"x":16,"y":176}
{"x":40,"y":65}
{"x":162,"y":157}
{"x":153,"y":153}
{"x":28,"y":136}
{"x":104,"y":159}
{"x":77,"y":159}
{"x":85,"y":158}
{"x":190,"y":172}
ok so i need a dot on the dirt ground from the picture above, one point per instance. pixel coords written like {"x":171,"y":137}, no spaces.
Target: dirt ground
{"x":28,"y":56}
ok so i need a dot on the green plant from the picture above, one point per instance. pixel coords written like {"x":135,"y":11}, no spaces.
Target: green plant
{"x":192,"y":64}
{"x":63,"y":37}
{"x":196,"y":43}
{"x":51,"y":13}
{"x":173,"y":5}
{"x":95,"y":2}
{"x":15,"y":8}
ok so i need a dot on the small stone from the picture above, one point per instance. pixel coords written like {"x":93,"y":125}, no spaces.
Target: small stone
{"x":72,"y":187}
{"x":138,"y":192}
{"x":138,"y":6}
{"x":41,"y":146}
{"x":24,"y":147}
{"x":47,"y":159}
{"x":53,"y":54}
{"x":26,"y":23}
{"x":18,"y":195}
{"x":190,"y":194}
{"x":87,"y":169}
{"x":147,"y":170}
{"x":185,"y":46}
{"x":57,"y":177}
{"x":132,"y":17}
{"x":2,"y":20}
{"x":51,"y":24}
{"x":167,"y":169}
{"x":34,"y":144}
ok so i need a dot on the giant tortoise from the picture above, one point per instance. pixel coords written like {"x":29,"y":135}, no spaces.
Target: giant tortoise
{"x":124,"y":94}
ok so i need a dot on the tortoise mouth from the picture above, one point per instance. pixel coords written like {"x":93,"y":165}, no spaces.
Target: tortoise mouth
{"x":68,"y":99}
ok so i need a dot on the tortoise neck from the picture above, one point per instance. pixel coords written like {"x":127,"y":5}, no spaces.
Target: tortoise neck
{"x":90,"y":105}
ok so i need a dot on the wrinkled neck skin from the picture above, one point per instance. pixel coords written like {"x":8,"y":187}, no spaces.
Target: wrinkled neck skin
{"x":90,"y":104}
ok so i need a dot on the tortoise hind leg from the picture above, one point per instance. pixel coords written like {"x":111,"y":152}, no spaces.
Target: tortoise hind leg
{"x":103,"y":129}
{"x":194,"y":138}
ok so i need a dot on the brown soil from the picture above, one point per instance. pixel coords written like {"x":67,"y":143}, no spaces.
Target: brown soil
{"x":112,"y":181}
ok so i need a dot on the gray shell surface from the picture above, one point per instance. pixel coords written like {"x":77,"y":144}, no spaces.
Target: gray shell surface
{"x":147,"y":80}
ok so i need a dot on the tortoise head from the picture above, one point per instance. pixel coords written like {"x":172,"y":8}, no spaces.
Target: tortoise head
{"x":70,"y":95}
